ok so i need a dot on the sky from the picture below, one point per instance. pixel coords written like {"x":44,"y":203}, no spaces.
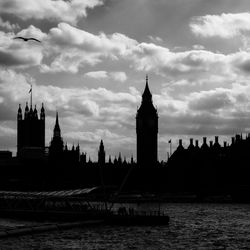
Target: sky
{"x":92,"y":62}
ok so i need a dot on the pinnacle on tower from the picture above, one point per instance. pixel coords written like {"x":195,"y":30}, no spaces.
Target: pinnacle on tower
{"x":57,"y":130}
{"x":19,"y":113}
{"x":19,"y":109}
{"x":101,"y":147}
{"x":26,"y":107}
{"x":35,"y":113}
{"x":42,"y":114}
{"x":26,"y":111}
{"x":42,"y":109}
{"x":146,"y":96}
{"x":57,"y":122}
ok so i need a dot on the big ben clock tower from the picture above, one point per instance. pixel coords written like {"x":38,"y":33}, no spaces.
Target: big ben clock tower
{"x":147,"y":130}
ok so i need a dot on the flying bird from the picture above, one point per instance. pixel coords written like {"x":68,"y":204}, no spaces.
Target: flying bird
{"x":26,"y":39}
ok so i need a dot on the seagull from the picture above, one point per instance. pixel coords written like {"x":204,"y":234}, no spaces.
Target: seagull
{"x":27,"y":39}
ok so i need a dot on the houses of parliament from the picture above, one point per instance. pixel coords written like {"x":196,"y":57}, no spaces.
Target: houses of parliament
{"x":31,"y":137}
{"x":202,"y":169}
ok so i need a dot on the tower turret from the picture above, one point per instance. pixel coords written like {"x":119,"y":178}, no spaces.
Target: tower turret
{"x":26,"y":113}
{"x":31,"y":113}
{"x":204,"y":146}
{"x":42,"y":114}
{"x":30,"y":133}
{"x":19,"y":113}
{"x":35,"y":113}
{"x":132,"y":160}
{"x":119,"y":159}
{"x":110,"y":161}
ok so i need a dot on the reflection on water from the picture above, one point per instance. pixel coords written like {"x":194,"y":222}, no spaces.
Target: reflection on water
{"x":192,"y":226}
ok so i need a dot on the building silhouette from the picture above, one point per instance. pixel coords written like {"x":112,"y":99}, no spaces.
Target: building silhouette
{"x":58,"y":152}
{"x":101,"y":154}
{"x":203,"y":169}
{"x":56,"y":145}
{"x":147,"y":130}
{"x":30,"y":132}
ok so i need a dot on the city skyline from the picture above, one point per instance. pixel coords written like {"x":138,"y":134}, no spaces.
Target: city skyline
{"x":93,"y":59}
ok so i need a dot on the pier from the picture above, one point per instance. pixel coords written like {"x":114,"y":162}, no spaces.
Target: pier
{"x":26,"y":230}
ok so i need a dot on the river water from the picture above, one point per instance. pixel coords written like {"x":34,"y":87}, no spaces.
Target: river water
{"x":192,"y":226}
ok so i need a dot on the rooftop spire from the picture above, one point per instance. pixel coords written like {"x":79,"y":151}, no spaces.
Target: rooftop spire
{"x":42,"y":109}
{"x":35,"y":112}
{"x":101,"y":147}
{"x":57,"y":130}
{"x":146,"y":94}
{"x":57,"y":123}
{"x":26,"y":107}
{"x":19,"y":109}
{"x":42,"y":114}
{"x":19,"y":113}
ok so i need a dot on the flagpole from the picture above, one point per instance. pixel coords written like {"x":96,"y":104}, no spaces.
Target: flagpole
{"x":31,"y":95}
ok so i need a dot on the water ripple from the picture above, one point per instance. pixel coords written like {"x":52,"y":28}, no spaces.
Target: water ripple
{"x":192,"y":226}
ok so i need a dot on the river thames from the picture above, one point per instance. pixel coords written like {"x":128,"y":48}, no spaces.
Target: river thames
{"x":192,"y":226}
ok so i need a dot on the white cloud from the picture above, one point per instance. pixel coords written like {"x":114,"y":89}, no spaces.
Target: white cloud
{"x":59,"y":10}
{"x":14,"y":88}
{"x":69,"y":49}
{"x":156,"y":39}
{"x":66,"y":48}
{"x":7,"y":25}
{"x":67,"y":36}
{"x":212,"y":100}
{"x":73,"y":48}
{"x":84,"y":111}
{"x":81,"y":110}
{"x":17,"y":53}
{"x":162,"y":60}
{"x":32,"y":31}
{"x":225,"y":25}
{"x":116,"y":76}
{"x":198,"y":47}
{"x":96,"y":74}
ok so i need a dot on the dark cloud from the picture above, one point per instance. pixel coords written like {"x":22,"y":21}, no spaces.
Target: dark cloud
{"x":202,"y":124}
{"x":211,"y":102}
{"x":7,"y":113}
{"x":9,"y":58}
{"x":244,"y":66}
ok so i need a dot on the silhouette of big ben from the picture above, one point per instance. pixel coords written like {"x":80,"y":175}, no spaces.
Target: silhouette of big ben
{"x":147,"y":130}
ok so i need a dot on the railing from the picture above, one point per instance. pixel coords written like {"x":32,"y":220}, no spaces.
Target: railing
{"x":131,"y":212}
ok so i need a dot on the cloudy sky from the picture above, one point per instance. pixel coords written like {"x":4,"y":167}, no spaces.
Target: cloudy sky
{"x":93,"y":58}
